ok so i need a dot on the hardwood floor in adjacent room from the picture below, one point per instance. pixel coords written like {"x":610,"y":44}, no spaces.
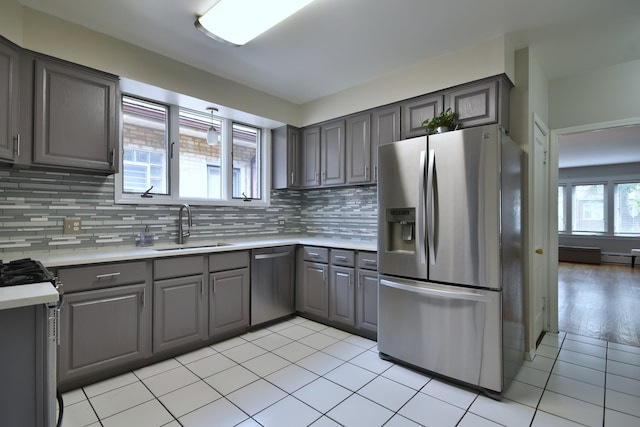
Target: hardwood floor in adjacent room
{"x":600,"y":301}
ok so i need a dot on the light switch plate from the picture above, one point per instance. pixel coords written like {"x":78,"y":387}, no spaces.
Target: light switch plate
{"x":72,"y":226}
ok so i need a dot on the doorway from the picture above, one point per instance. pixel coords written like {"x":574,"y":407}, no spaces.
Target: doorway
{"x":554,"y":159}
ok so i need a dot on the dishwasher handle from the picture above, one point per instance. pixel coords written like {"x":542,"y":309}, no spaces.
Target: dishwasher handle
{"x":270,"y":256}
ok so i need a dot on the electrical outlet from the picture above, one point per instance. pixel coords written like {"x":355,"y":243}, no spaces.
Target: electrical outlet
{"x":281,"y":222}
{"x":72,"y":226}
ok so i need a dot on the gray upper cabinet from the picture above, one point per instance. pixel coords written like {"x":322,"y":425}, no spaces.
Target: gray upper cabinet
{"x":475,"y":104}
{"x":359,"y":149}
{"x":385,"y":128}
{"x":75,"y":117}
{"x":286,"y":148}
{"x":416,"y":111}
{"x":9,"y":101}
{"x":332,"y":144}
{"x":179,"y":302}
{"x":311,"y":156}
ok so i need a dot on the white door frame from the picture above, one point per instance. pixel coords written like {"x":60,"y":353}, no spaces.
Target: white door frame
{"x":553,"y":204}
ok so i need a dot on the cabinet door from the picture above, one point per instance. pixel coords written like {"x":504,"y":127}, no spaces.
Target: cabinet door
{"x":179,"y":312}
{"x":342,"y":295}
{"x":76,"y":117}
{"x":103,"y":329}
{"x":475,"y":104}
{"x":367,"y":301}
{"x":359,"y":149}
{"x":416,"y":111}
{"x":9,"y":102}
{"x":333,"y":153}
{"x":311,"y":157}
{"x":228,"y":301}
{"x":385,"y":128}
{"x":316,"y":290}
{"x":286,"y":157}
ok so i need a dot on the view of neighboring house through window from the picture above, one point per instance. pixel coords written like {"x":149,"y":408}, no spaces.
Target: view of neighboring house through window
{"x":246,"y":151}
{"x":197,"y":158}
{"x":166,"y":147}
{"x":562,"y":225}
{"x":144,"y":135}
{"x":627,"y":208}
{"x":588,"y":208}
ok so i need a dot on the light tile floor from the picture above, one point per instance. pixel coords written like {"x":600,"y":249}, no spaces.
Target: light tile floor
{"x":301,"y":373}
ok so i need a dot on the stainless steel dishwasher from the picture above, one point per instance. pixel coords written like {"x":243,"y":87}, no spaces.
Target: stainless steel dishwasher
{"x":272,"y":283}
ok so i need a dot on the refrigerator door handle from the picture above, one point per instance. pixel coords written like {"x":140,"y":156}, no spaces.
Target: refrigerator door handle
{"x":437,"y":293}
{"x":420,"y":232}
{"x":430,"y":210}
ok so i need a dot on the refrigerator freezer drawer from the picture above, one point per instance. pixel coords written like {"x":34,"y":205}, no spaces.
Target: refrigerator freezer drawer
{"x":449,"y":330}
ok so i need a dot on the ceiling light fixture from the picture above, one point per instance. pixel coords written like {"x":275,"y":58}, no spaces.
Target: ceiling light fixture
{"x":235,"y":22}
{"x":213,"y":137}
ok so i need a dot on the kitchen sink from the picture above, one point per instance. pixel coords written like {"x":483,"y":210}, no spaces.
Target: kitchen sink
{"x":184,"y":247}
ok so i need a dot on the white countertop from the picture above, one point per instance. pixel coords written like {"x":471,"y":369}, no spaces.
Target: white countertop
{"x":92,"y":256}
{"x":24,"y":295}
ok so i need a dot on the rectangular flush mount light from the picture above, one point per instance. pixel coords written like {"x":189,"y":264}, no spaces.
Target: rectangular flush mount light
{"x":238,"y":21}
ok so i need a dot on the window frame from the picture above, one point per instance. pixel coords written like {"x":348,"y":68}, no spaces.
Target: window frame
{"x":605,"y":209}
{"x":173,"y":165}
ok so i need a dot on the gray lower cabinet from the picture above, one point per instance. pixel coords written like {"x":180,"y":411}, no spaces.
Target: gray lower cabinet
{"x":76,"y":117}
{"x":341,"y":295}
{"x":179,"y":302}
{"x":9,"y":101}
{"x":367,"y":292}
{"x":359,"y":149}
{"x":313,"y":281}
{"x":105,"y":321}
{"x":342,"y":307}
{"x":229,"y":292}
{"x":416,"y":111}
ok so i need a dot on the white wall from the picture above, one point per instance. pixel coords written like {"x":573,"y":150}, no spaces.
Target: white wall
{"x":46,"y":34}
{"x":601,"y":95}
{"x":473,"y":63}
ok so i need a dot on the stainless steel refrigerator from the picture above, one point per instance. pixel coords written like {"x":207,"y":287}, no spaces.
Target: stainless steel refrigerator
{"x":450,"y":255}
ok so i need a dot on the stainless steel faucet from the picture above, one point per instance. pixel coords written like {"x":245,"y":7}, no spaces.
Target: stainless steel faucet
{"x":181,"y":233}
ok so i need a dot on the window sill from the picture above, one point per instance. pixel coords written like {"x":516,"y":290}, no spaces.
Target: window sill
{"x":167,"y":201}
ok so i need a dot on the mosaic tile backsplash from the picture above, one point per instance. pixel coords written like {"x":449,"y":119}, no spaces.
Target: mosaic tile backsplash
{"x":33,"y":205}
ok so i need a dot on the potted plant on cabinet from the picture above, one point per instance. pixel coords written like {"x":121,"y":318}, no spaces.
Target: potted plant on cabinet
{"x":443,"y":122}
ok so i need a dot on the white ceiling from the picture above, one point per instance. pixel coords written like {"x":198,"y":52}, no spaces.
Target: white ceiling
{"x":332,"y":45}
{"x":600,"y":147}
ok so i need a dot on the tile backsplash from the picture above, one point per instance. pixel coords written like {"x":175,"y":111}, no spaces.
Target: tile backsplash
{"x":34,"y":204}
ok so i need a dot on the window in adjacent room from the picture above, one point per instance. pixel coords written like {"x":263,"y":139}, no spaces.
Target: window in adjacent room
{"x":588,"y":208}
{"x":562,"y":226}
{"x":627,"y":208}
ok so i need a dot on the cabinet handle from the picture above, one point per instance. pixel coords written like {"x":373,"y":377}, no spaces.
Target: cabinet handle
{"x":17,"y":150}
{"x":324,"y":178}
{"x":375,"y":172}
{"x":340,"y":257}
{"x":317,"y":178}
{"x":368,"y":261}
{"x":171,"y":150}
{"x":292,"y":180}
{"x":313,"y":254}
{"x":113,"y":157}
{"x":202,"y":287}
{"x":144,"y":296}
{"x":213,"y":286}
{"x":107,"y":276}
{"x":366,"y":172}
